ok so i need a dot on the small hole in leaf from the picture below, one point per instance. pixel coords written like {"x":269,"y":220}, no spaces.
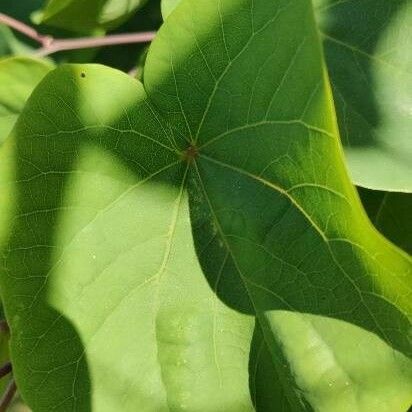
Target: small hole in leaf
{"x":83,"y":74}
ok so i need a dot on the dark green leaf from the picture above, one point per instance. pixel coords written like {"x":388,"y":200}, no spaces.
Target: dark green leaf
{"x":87,"y":16}
{"x":391,"y":215}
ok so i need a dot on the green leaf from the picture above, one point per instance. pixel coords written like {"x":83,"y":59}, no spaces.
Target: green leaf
{"x":266,"y":383}
{"x":154,"y":330}
{"x":390,"y":213}
{"x":339,"y":367}
{"x":9,"y":44}
{"x":167,"y":6}
{"x":152,"y":224}
{"x":18,"y":77}
{"x":87,"y":16}
{"x":4,"y":351}
{"x":369,"y":57}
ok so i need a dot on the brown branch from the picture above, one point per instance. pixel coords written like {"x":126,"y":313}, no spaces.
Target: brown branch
{"x":50,"y":45}
{"x":25,"y":29}
{"x":57,"y":45}
{"x":8,"y":396}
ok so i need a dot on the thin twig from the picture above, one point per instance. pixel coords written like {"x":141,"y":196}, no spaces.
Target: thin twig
{"x":51,"y":45}
{"x":25,"y":29}
{"x":8,"y":396}
{"x":57,"y":45}
{"x":5,"y":369}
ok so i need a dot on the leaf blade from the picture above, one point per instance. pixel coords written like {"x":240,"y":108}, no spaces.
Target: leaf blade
{"x":369,"y":61}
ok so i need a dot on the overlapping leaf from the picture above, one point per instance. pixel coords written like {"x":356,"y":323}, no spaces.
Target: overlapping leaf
{"x":369,"y":57}
{"x":152,"y":224}
{"x":87,"y":16}
{"x":18,"y":77}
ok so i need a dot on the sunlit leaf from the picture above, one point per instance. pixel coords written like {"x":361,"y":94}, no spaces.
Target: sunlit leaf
{"x":153,"y":225}
{"x":168,"y":6}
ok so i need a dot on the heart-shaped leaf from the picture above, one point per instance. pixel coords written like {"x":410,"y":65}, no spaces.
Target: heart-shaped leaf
{"x":152,"y":224}
{"x":369,"y":60}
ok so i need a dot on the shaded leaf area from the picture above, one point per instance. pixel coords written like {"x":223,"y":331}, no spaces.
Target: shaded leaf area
{"x":390,"y":212}
{"x":4,"y":350}
{"x":369,"y":57}
{"x":166,"y":240}
{"x":18,"y":77}
{"x":86,"y":17}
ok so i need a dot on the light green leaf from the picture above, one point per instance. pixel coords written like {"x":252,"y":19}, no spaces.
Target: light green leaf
{"x":18,"y":77}
{"x":391,"y":214}
{"x":168,"y":6}
{"x":152,"y":223}
{"x":87,"y":16}
{"x":339,"y":367}
{"x":369,"y":57}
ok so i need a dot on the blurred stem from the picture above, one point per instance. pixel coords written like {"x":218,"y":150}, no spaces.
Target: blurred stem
{"x":25,"y":29}
{"x":90,"y":42}
{"x":50,"y":45}
{"x":8,"y":396}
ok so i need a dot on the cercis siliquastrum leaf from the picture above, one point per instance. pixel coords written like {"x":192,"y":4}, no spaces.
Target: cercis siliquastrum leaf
{"x":194,"y":243}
